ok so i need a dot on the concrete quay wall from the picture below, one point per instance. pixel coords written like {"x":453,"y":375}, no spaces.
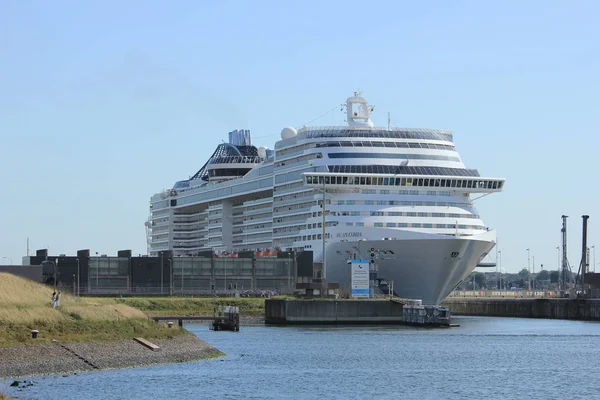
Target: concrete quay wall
{"x":576,"y":309}
{"x":332,"y":312}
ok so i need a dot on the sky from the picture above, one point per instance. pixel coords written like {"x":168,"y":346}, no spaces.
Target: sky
{"x":104,"y":103}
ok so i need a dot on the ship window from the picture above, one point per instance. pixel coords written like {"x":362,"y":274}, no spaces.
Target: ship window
{"x":360,"y":224}
{"x":416,"y":225}
{"x":409,"y":181}
{"x":403,"y":182}
{"x":380,"y":181}
{"x":427,"y":226}
{"x":420,"y":180}
{"x":422,"y":214}
{"x":378,"y":224}
{"x":453,"y":184}
{"x":402,"y":225}
{"x":362,"y":180}
{"x":391,"y":224}
{"x":440,"y":225}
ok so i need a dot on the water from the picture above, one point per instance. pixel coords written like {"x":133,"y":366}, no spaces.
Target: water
{"x":484,"y":358}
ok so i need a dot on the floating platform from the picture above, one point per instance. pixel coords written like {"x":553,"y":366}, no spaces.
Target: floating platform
{"x":348,"y":312}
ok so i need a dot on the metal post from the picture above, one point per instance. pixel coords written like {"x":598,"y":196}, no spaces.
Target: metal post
{"x":55,"y":271}
{"x":564,"y":253}
{"x":584,"y":258}
{"x":161,"y":272}
{"x":594,"y":256}
{"x":182,"y":274}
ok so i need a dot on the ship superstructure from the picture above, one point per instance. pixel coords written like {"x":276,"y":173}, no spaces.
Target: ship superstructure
{"x":404,"y":192}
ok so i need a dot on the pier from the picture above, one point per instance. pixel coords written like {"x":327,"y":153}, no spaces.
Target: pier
{"x":347,"y":312}
{"x":226,"y":319}
{"x":552,"y":308}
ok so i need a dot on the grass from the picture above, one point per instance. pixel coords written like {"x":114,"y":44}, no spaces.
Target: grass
{"x":194,"y":306}
{"x":26,"y":305}
{"x":3,"y":397}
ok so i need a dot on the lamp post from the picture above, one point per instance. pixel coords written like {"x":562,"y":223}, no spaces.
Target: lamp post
{"x":593,"y":257}
{"x":10,"y":259}
{"x":55,"y":271}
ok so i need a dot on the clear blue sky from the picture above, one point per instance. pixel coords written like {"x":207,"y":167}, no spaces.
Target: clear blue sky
{"x":104,"y":103}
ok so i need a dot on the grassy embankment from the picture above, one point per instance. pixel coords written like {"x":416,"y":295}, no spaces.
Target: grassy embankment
{"x":26,"y":305}
{"x":249,"y":307}
{"x":3,"y":397}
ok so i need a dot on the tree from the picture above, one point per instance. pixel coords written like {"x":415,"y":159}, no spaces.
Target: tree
{"x":543,"y":275}
{"x":524,"y":273}
{"x":554,"y":276}
{"x":480,"y":279}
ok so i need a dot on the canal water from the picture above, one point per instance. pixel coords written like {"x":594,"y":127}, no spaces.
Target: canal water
{"x":483,"y":358}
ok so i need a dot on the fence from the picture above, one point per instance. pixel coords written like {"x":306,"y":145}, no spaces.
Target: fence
{"x":192,"y":275}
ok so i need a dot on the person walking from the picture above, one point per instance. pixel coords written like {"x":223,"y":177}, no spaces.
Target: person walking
{"x":53,"y":299}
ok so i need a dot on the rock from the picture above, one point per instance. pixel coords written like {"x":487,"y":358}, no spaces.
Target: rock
{"x":15,"y":383}
{"x":65,"y":376}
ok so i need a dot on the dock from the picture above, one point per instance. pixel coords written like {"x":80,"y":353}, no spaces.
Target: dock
{"x":552,"y":308}
{"x":226,"y":318}
{"x":347,"y":312}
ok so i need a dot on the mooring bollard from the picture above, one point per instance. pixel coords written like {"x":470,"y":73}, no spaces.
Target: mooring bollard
{"x":170,"y":324}
{"x":34,"y":333}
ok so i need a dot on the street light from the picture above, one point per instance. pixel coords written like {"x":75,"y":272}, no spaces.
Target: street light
{"x":10,"y":259}
{"x":324,"y":234}
{"x":593,"y":258}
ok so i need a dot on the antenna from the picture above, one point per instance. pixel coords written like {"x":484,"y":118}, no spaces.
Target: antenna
{"x":389,"y":121}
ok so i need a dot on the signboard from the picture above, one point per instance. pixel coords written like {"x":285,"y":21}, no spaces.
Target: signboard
{"x":360,"y":278}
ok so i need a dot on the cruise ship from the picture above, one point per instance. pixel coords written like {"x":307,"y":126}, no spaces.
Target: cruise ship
{"x":401,"y":196}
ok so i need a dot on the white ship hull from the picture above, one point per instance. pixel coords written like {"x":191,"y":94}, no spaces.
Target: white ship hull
{"x":421,"y":266}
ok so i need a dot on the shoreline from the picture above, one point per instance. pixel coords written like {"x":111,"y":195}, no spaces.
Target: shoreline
{"x":67,"y":358}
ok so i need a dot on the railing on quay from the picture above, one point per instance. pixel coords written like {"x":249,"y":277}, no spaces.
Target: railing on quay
{"x":506,"y":293}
